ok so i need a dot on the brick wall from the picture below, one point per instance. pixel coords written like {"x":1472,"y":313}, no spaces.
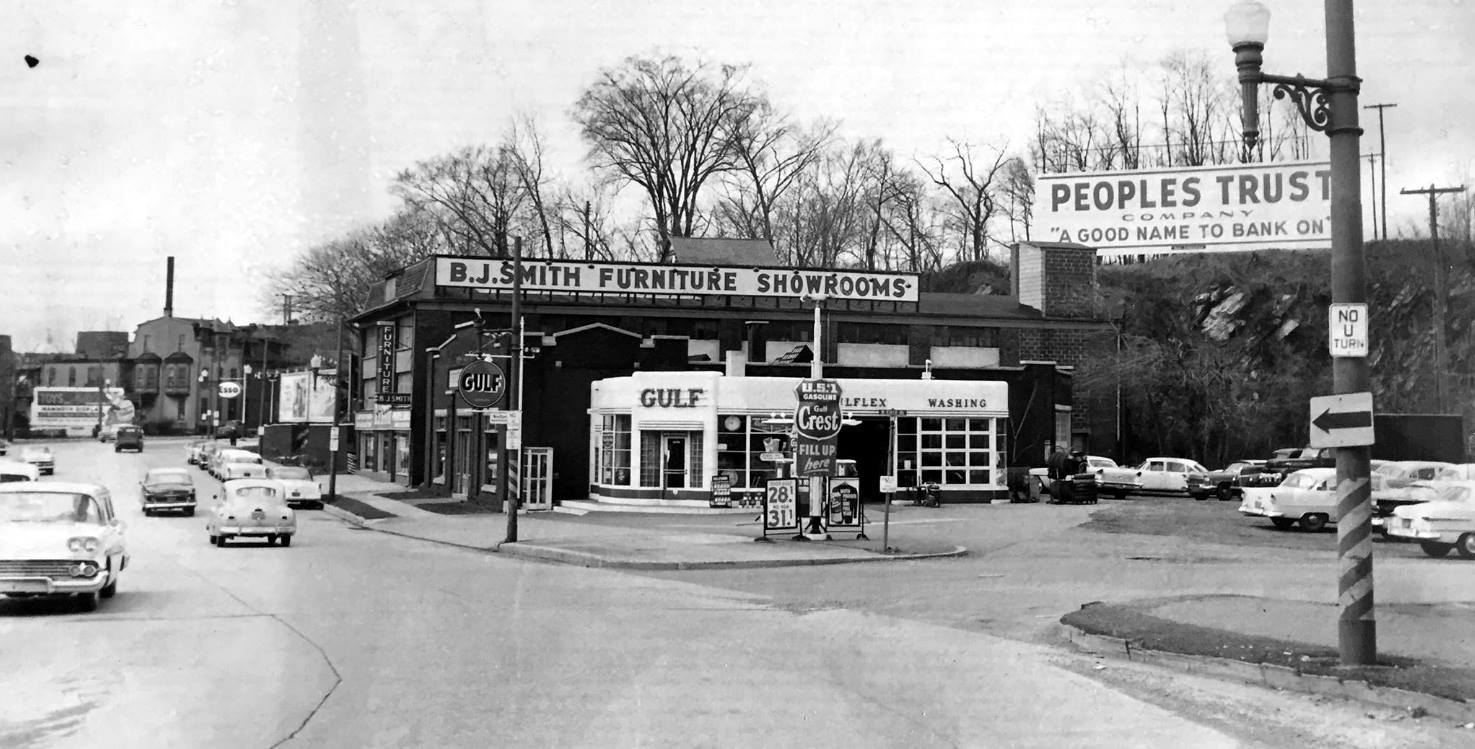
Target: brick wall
{"x":1070,"y":282}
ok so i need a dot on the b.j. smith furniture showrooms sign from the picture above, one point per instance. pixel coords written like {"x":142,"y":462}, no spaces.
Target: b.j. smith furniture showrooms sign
{"x":576,"y":277}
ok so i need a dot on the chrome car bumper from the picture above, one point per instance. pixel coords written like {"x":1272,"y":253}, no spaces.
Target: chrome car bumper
{"x":48,"y":586}
{"x":255,"y":530}
{"x":183,"y":504}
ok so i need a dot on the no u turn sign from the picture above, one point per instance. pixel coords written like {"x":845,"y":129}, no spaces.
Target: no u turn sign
{"x":1347,"y":329}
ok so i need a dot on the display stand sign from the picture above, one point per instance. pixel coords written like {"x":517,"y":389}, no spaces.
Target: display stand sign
{"x":816,"y":427}
{"x":780,"y":506}
{"x":843,"y":512}
{"x":721,"y":491}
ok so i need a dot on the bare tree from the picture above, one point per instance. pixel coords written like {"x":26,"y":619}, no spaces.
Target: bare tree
{"x":1192,"y":98}
{"x":473,"y":194}
{"x":524,"y":153}
{"x":969,"y":186}
{"x":1018,"y":191}
{"x":771,"y":153}
{"x":585,"y":215}
{"x":667,"y":128}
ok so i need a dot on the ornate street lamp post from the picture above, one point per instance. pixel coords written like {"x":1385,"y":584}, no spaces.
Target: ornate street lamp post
{"x":1330,"y":106}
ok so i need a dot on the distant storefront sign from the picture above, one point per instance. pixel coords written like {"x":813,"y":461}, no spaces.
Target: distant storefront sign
{"x":387,"y":344}
{"x":1220,"y":208}
{"x":306,"y":397}
{"x":668,"y":280}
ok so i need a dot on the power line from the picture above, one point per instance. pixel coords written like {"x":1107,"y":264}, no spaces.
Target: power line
{"x":1441,"y":289}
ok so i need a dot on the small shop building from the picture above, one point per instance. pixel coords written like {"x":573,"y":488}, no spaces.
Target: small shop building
{"x":639,"y":382}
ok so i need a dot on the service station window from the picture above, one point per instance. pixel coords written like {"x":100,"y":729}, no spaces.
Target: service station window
{"x":614,"y":453}
{"x":953,"y":451}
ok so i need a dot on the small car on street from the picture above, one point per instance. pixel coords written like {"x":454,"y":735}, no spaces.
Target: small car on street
{"x":207,"y":454}
{"x":40,"y":457}
{"x":1444,"y":523}
{"x":60,"y":539}
{"x":128,"y":437}
{"x":230,"y":463}
{"x":302,"y":489}
{"x":15,"y":470}
{"x":167,"y":489}
{"x":252,"y":508}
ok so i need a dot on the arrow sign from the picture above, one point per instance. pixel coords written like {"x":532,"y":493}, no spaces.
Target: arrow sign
{"x":1342,"y":420}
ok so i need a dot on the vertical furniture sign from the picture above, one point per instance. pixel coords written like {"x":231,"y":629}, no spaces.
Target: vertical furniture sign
{"x":387,"y":343}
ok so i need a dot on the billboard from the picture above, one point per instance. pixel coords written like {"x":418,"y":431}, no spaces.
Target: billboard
{"x":305,"y":398}
{"x":1284,"y":205}
{"x":674,"y":280}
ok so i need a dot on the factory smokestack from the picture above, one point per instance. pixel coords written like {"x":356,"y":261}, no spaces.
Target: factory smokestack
{"x":169,"y":289}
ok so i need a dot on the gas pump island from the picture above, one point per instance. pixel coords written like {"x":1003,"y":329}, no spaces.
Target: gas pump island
{"x":833,"y":501}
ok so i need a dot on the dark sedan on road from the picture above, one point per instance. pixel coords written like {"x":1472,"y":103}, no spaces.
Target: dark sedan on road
{"x":167,"y":489}
{"x":1225,"y":482}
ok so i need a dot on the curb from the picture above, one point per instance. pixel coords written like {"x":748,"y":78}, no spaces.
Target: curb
{"x":1269,"y":675}
{"x":586,"y":559}
{"x":525,"y":550}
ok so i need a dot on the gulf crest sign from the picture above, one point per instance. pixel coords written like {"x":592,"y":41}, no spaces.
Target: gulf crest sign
{"x":816,"y":427}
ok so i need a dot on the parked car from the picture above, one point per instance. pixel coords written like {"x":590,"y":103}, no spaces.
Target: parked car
{"x":167,"y":489}
{"x":1286,"y":460}
{"x":1456,"y":472}
{"x":15,"y":470}
{"x":128,"y":437}
{"x":39,"y":456}
{"x":4,"y":447}
{"x":62,"y":539}
{"x":1095,"y":464}
{"x":1153,"y":475}
{"x":193,"y":450}
{"x":207,"y":455}
{"x":1224,"y":482}
{"x":1307,"y":496}
{"x":1385,"y":503}
{"x":1401,"y":473}
{"x":252,"y":508}
{"x":304,"y":491}
{"x":1447,"y":522}
{"x":229,"y":462}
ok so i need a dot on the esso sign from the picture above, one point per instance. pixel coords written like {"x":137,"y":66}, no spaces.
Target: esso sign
{"x":482,"y":384}
{"x":229,"y":389}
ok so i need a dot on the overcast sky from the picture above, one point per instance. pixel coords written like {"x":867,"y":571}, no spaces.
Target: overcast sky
{"x":231,"y":134}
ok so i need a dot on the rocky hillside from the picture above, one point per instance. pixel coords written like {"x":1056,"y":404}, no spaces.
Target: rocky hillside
{"x":1223,"y":350}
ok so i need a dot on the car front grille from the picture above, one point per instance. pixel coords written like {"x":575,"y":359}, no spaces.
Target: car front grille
{"x":60,"y":568}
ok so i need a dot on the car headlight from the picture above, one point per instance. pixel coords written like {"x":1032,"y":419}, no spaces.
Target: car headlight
{"x":84,"y":569}
{"x":82,"y":543}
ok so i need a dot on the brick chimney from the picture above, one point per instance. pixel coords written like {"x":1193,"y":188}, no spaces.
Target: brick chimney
{"x":169,"y":288}
{"x":1056,"y":278}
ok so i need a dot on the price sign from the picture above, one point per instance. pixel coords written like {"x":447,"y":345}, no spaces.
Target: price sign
{"x":721,"y":491}
{"x":781,"y":506}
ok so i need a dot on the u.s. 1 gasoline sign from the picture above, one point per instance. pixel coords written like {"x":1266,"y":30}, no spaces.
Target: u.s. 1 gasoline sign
{"x":816,"y":426}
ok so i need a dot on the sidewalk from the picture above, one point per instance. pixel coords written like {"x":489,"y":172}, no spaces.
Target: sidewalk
{"x":725,"y":540}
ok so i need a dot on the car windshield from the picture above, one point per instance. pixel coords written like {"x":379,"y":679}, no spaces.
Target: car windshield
{"x":241,"y":458}
{"x":1299,"y":480}
{"x":1391,"y":470}
{"x":48,"y":507}
{"x":1195,"y":467}
{"x":170,"y":476}
{"x":40,"y":452}
{"x":290,"y":473}
{"x":1096,"y":462}
{"x":259,"y":494}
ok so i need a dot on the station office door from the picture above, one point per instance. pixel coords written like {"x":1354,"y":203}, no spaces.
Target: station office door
{"x":537,"y":478}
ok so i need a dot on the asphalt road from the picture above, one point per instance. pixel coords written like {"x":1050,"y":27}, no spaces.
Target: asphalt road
{"x":352,"y":638}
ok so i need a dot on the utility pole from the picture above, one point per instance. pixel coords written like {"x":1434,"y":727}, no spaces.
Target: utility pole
{"x":334,"y":439}
{"x":512,"y":468}
{"x":1372,"y":180}
{"x":1441,"y":291}
{"x":1383,"y":157}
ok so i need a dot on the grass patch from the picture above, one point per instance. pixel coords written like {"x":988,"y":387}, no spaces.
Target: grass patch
{"x":416,"y":494}
{"x":359,"y":508}
{"x":1155,"y":633}
{"x":456,"y":508}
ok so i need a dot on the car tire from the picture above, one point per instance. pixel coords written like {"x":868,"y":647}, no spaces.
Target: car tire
{"x":189,"y":512}
{"x":87,"y":601}
{"x":1313,"y":522}
{"x":148,"y":513}
{"x":287,"y":539}
{"x":271,"y":539}
{"x":1199,"y":496}
{"x":220,"y":541}
{"x":1466,"y":546}
{"x":1283,"y":523}
{"x":1435,"y":549}
{"x":109,"y":590}
{"x":1226,"y":493}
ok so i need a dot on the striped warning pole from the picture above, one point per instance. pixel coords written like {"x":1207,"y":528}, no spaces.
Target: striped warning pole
{"x":1357,"y":629}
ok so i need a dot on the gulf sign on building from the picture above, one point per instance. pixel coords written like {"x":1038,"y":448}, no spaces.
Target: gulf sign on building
{"x":1220,"y":208}
{"x":666,"y":280}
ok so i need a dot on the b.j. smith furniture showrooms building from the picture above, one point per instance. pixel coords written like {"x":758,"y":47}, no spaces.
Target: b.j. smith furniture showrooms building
{"x":642,"y":381}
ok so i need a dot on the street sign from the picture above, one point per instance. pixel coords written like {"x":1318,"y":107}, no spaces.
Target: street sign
{"x":504,"y":418}
{"x":888,"y":485}
{"x":1342,"y":420}
{"x":1347,"y":329}
{"x":482,"y":384}
{"x":229,"y":389}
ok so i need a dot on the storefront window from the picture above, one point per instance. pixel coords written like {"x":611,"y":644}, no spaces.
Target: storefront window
{"x":370,"y":452}
{"x":950,"y":452}
{"x":402,"y":454}
{"x":490,"y":477}
{"x":614,"y":450}
{"x":650,"y":459}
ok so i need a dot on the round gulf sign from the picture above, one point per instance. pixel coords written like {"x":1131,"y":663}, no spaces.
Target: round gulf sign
{"x":482,"y":384}
{"x":229,"y":389}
